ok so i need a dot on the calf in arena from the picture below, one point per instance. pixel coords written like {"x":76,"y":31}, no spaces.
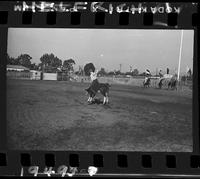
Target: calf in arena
{"x":103,"y":89}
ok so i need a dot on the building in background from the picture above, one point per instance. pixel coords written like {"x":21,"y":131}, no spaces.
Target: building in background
{"x":19,"y":68}
{"x":35,"y":75}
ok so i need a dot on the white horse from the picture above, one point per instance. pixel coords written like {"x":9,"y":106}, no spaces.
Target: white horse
{"x":168,"y":81}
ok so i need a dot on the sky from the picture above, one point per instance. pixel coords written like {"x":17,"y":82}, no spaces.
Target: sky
{"x":106,"y":48}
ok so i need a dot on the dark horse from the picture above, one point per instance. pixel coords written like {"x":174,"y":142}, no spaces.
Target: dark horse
{"x":173,"y":84}
{"x":103,"y":88}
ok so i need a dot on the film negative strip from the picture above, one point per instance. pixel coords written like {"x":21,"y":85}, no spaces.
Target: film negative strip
{"x":99,"y":89}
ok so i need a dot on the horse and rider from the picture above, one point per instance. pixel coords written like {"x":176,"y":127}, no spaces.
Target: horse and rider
{"x":147,"y":79}
{"x":171,"y":81}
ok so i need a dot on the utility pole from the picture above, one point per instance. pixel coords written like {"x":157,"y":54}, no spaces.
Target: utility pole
{"x":131,"y":69}
{"x":42,"y":73}
{"x":120,"y":67}
{"x":180,"y":53}
{"x":179,"y":61}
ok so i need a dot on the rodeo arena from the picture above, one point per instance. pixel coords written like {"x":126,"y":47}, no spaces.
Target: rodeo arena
{"x":90,"y":111}
{"x":143,"y":113}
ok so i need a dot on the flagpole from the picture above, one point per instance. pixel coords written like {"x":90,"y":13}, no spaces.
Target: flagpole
{"x":180,"y":53}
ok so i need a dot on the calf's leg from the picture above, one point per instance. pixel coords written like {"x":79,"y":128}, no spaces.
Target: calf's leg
{"x":107,"y":98}
{"x":104,"y":100}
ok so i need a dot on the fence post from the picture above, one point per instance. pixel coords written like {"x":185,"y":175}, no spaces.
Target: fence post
{"x":41,"y":76}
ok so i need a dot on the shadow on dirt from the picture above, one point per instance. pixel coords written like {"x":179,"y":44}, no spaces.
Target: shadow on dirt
{"x":99,"y":101}
{"x":96,"y":101}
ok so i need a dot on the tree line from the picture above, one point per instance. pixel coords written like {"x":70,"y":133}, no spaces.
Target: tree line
{"x":50,"y":63}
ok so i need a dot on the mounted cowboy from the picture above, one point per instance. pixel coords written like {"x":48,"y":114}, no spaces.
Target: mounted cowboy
{"x":147,"y":80}
{"x":95,"y":83}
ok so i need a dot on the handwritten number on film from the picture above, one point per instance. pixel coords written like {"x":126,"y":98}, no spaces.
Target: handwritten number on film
{"x":62,"y":170}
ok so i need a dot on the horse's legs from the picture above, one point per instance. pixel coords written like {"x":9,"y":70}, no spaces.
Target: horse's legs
{"x":90,"y":99}
{"x":168,"y":86}
{"x":104,"y":100}
{"x":107,"y":98}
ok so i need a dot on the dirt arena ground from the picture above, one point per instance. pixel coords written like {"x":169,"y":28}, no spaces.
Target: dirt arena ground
{"x":54,"y":115}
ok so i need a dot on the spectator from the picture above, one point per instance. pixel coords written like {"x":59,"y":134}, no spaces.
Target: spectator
{"x":147,"y":74}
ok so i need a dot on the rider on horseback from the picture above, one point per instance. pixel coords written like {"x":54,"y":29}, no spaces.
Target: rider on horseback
{"x":147,"y":79}
{"x":147,"y":75}
{"x":95,"y":84}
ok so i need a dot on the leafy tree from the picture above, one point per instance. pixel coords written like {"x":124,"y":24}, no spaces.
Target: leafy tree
{"x":88,"y":67}
{"x":135,"y":72}
{"x":102,"y":72}
{"x":56,"y":62}
{"x":111,"y":73}
{"x":24,"y":60}
{"x":117,"y":72}
{"x":68,"y":65}
{"x":46,"y":59}
{"x":50,"y":62}
{"x":10,"y":60}
{"x":129,"y":73}
{"x":34,"y":66}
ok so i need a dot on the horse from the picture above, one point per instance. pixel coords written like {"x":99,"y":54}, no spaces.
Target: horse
{"x":173,"y":84}
{"x":147,"y":82}
{"x":160,"y":84}
{"x":103,"y":89}
{"x":169,"y":82}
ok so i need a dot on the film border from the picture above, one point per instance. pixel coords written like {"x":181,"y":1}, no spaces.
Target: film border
{"x":131,"y":162}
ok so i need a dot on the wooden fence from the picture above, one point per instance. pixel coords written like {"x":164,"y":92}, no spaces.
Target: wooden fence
{"x":134,"y":81}
{"x":18,"y":75}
